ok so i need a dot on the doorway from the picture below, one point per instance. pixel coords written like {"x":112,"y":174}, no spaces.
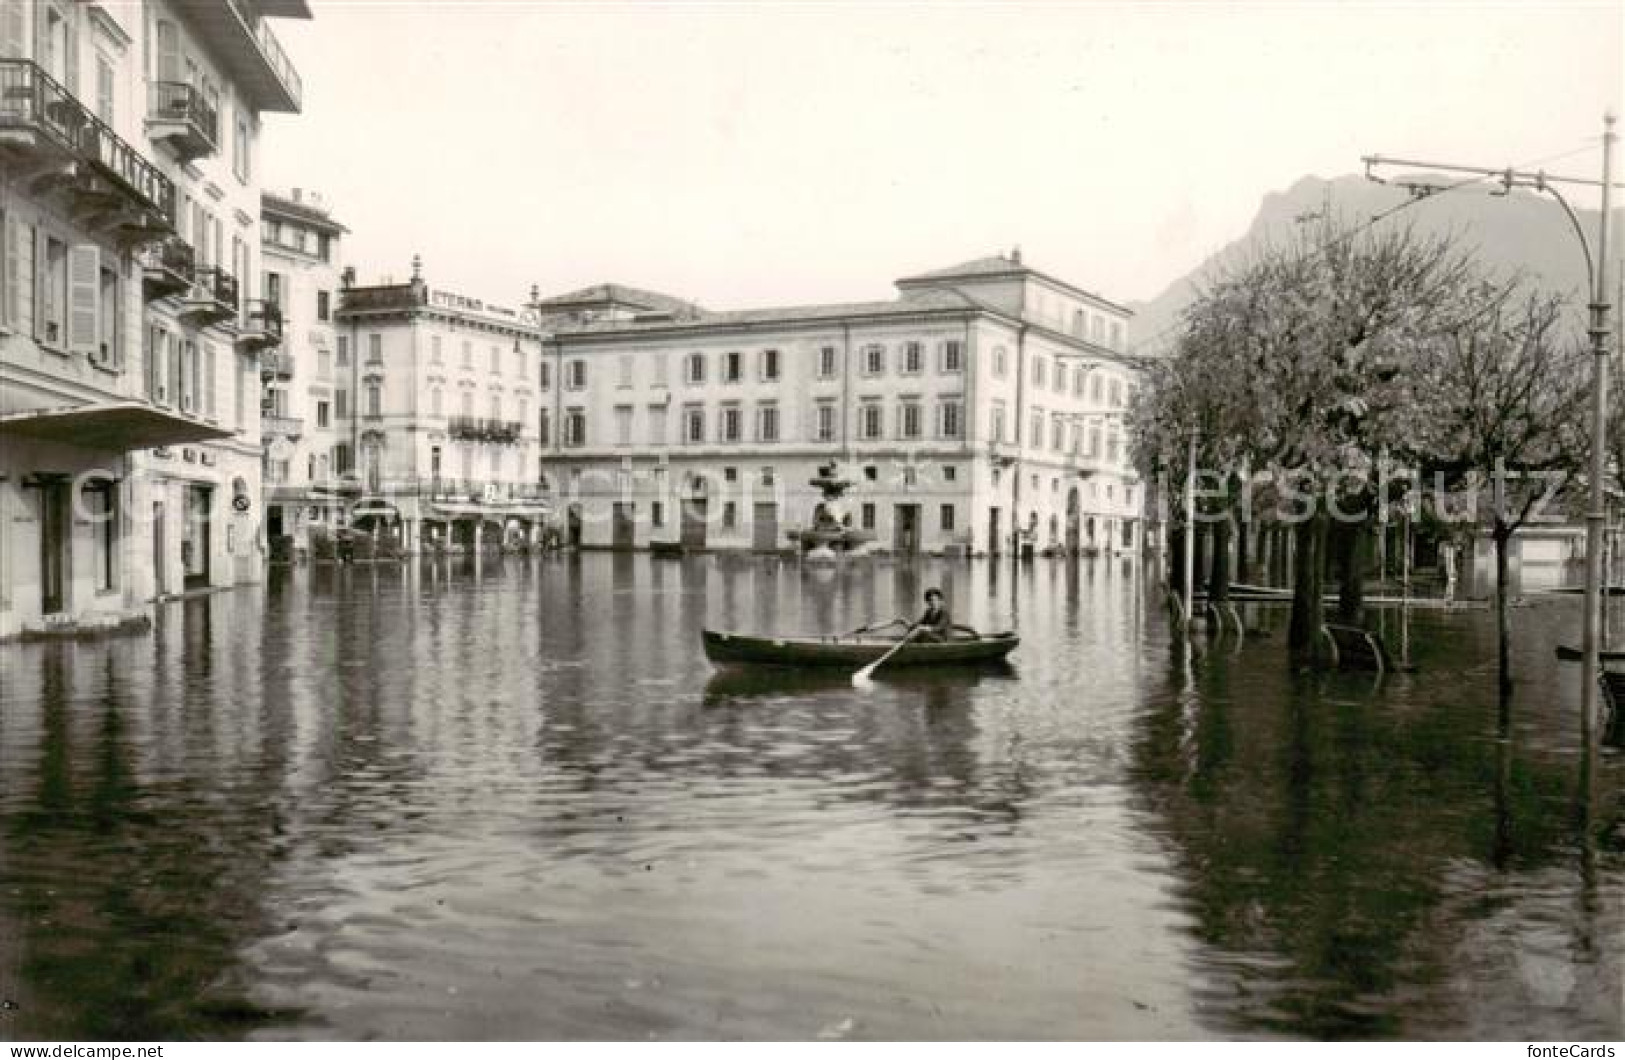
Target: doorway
{"x":764,"y":527}
{"x":54,"y":543}
{"x":906,"y":529}
{"x":694,"y":521}
{"x":993,"y":536}
{"x":622,"y":531}
{"x":195,"y":536}
{"x":572,"y":526}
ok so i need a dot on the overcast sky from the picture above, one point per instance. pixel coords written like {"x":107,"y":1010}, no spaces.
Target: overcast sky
{"x":774,"y":154}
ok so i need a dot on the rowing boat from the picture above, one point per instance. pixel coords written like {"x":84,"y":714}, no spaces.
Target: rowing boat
{"x":854,"y":651}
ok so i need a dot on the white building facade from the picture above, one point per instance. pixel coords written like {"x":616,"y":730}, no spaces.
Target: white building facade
{"x":445,"y":396}
{"x":129,"y":446}
{"x":307,"y":441}
{"x":982,"y":410}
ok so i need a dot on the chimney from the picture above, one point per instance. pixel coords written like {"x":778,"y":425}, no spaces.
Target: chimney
{"x":1015,"y":255}
{"x":298,"y":195}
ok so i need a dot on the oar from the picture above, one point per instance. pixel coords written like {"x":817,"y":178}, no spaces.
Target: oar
{"x":861,"y":678}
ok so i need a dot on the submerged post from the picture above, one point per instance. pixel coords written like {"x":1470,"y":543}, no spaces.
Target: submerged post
{"x":1190,"y":533}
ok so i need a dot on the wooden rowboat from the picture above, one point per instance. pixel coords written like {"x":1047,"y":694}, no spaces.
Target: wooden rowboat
{"x":967,"y":646}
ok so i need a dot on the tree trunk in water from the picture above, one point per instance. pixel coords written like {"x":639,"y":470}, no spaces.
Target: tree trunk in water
{"x":1244,"y":545}
{"x":1176,"y":558}
{"x":1308,"y":611}
{"x":1503,"y":618}
{"x":1350,"y":571}
{"x":1218,"y":582}
{"x":1199,"y":568}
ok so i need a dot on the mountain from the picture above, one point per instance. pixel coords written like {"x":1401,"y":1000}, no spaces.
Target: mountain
{"x":1524,"y":232}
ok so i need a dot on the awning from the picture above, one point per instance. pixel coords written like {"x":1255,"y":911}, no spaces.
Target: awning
{"x":119,"y":426}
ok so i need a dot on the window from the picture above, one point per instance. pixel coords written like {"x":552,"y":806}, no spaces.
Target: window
{"x":468,"y":354}
{"x":524,"y":412}
{"x":496,"y":406}
{"x":695,"y":372}
{"x":544,"y":376}
{"x":869,"y":421}
{"x":730,"y":367}
{"x":913,"y":357}
{"x":494,"y":361}
{"x":544,"y":427}
{"x":768,"y":476}
{"x":1040,"y":371}
{"x":101,"y":499}
{"x":947,"y":518}
{"x":657,"y":424}
{"x":1057,"y":433}
{"x":657,"y":513}
{"x":521,"y":362}
{"x":871,"y":473}
{"x":998,"y":430}
{"x":908,"y":420}
{"x":767,"y":423}
{"x":1060,"y":378}
{"x":375,"y":400}
{"x":874,"y":359}
{"x":104,"y":90}
{"x":341,"y":404}
{"x":1117,"y":335}
{"x":1001,"y":362}
{"x":1115,"y":392}
{"x":730,"y":474}
{"x":324,"y":364}
{"x":50,"y":309}
{"x":730,"y":515}
{"x":344,"y":351}
{"x":110,"y":332}
{"x":950,"y":473}
{"x":694,"y":426}
{"x":434,"y":462}
{"x":324,"y":305}
{"x":826,"y":423}
{"x":436,"y":354}
{"x":324,"y":410}
{"x":770,"y":365}
{"x":575,"y":427}
{"x":343,"y":461}
{"x":623,"y":370}
{"x":1035,"y":437}
{"x":1077,"y":380}
{"x":866,"y":516}
{"x":575,"y":374}
{"x":950,"y":419}
{"x":657,"y":370}
{"x":953,"y":356}
{"x":729,"y":428}
{"x":623,"y":425}
{"x":240,"y":149}
{"x":375,"y":348}
{"x":466,"y":403}
{"x":1095,"y":388}
{"x":826,"y":362}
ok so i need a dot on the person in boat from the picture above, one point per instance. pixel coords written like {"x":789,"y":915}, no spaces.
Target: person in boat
{"x":934,"y":625}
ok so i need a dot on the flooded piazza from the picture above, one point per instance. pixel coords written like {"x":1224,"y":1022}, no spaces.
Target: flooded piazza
{"x":515,"y":801}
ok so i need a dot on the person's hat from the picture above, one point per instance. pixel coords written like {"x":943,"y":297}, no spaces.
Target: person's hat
{"x":933,"y":591}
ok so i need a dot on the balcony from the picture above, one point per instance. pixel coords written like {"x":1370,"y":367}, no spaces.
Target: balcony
{"x":213,"y":298}
{"x":383,"y":299}
{"x":183,"y":119}
{"x":289,"y":427}
{"x":261,"y":326}
{"x":168,"y":268}
{"x":276,"y":366}
{"x":58,"y":147}
{"x":245,"y":45}
{"x":476,"y":429}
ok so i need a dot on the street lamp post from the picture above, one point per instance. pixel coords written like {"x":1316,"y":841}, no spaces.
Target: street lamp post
{"x":1597,"y":283}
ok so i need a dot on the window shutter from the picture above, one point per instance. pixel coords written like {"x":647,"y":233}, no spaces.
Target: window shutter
{"x":84,"y":298}
{"x":12,"y":32}
{"x":209,"y":380}
{"x":70,"y":61}
{"x":8,"y":313}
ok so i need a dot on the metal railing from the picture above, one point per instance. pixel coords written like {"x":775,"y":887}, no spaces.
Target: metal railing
{"x":177,"y":101}
{"x":271,"y":49}
{"x":475,"y":428}
{"x":31,"y":97}
{"x":281,"y":426}
{"x":262,"y":315}
{"x":392,"y":296}
{"x":276,"y":365}
{"x":219,"y":286}
{"x":174,"y":256}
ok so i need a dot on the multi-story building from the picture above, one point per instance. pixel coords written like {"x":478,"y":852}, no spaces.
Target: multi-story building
{"x":980,"y":410}
{"x":306,"y":438}
{"x":128,"y":207}
{"x":443,"y":414}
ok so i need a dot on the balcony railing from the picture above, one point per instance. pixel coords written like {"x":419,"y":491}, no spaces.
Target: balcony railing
{"x":182,"y":116}
{"x":213,"y":298}
{"x":169,"y":268}
{"x":30,"y":99}
{"x":261,"y":324}
{"x":290,"y":427}
{"x":476,"y":429}
{"x":475,"y":490}
{"x":271,"y":50}
{"x":391,"y":296}
{"x":276,"y":366}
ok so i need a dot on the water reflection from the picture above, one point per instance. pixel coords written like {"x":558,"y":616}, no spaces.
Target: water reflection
{"x":509,"y":798}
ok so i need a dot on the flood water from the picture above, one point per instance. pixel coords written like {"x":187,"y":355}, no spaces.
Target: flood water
{"x":518,"y":803}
